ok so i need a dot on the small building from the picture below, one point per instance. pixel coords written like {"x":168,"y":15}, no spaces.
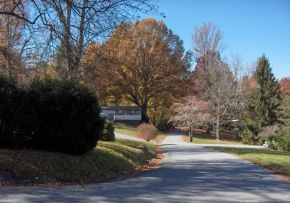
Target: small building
{"x":121,"y":113}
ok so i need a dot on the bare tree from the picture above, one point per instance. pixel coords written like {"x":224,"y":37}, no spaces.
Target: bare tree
{"x":18,"y":10}
{"x":207,"y":38}
{"x":69,"y":26}
{"x":213,"y":80}
{"x":223,"y":92}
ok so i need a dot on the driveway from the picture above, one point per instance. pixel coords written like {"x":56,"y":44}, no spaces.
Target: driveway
{"x":189,"y":173}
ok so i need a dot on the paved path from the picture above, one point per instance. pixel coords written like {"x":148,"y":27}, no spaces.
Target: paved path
{"x":189,"y":173}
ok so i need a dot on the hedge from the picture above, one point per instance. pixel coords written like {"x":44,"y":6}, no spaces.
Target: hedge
{"x":54,"y":115}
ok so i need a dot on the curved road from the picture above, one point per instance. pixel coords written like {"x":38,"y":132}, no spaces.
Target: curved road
{"x":189,"y":173}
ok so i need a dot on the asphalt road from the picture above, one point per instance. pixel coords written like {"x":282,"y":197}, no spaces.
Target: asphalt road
{"x":189,"y":173}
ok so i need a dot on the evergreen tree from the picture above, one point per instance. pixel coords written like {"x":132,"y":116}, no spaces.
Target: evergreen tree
{"x":286,"y":115}
{"x":264,"y":105}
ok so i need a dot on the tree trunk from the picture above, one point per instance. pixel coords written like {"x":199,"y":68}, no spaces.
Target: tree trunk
{"x":154,"y":120}
{"x":218,"y":127}
{"x":81,"y":34}
{"x":144,"y":116}
{"x":190,"y":133}
{"x":67,"y":41}
{"x":208,"y":129}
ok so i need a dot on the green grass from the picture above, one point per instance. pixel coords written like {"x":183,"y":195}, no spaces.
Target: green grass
{"x":198,"y":140}
{"x":130,"y":132}
{"x":277,"y":161}
{"x":107,"y":160}
{"x":125,"y":129}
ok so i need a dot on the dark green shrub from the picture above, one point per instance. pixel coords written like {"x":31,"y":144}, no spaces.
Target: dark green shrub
{"x":248,"y":137}
{"x":61,"y":116}
{"x":54,"y":115}
{"x":10,"y":114}
{"x":108,"y":131}
{"x":283,"y":142}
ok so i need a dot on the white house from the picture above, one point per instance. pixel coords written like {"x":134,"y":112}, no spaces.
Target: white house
{"x":121,"y":113}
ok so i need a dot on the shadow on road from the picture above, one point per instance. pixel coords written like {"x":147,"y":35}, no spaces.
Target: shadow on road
{"x":188,"y":174}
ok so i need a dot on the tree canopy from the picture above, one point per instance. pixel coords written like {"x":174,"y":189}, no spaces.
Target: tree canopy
{"x":143,"y":62}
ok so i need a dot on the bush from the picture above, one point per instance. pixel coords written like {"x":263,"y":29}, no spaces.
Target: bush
{"x":10,"y":114}
{"x":248,"y":137}
{"x":268,"y":133}
{"x":146,"y":131}
{"x":53,"y":115}
{"x":108,"y":131}
{"x":61,"y":116}
{"x":283,"y":142}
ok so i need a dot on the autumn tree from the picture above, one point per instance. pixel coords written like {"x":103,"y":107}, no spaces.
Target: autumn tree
{"x":207,"y":48}
{"x":69,"y":26}
{"x":159,"y":110}
{"x":13,"y":43}
{"x":143,"y":62}
{"x":93,"y":71}
{"x":250,"y":85}
{"x":284,"y":84}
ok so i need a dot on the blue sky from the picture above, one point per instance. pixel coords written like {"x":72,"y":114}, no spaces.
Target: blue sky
{"x":250,"y":27}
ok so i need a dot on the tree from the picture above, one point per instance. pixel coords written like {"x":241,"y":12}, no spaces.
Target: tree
{"x":207,"y":38}
{"x":264,"y":106}
{"x":223,"y":92}
{"x":190,"y":112}
{"x":214,"y":80}
{"x":250,"y":85}
{"x":207,"y":48}
{"x":286,"y":115}
{"x":69,"y":26}
{"x":200,"y":75}
{"x":13,"y":42}
{"x":143,"y":61}
{"x":284,"y":84}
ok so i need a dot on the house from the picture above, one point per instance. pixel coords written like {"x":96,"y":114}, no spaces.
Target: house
{"x":121,"y":113}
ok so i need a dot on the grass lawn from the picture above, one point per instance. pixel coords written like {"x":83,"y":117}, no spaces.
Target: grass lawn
{"x":125,"y":129}
{"x":276,"y":161}
{"x":130,"y":130}
{"x":107,"y":160}
{"x":201,"y":137}
{"x":198,"y":140}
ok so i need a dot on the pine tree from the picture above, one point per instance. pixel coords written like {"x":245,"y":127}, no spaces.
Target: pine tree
{"x":286,"y":115}
{"x":264,"y":105}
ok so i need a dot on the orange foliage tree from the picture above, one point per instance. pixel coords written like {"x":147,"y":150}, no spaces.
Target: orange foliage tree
{"x":141,"y":63}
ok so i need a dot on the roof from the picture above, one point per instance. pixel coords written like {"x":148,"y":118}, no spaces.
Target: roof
{"x":130,"y":108}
